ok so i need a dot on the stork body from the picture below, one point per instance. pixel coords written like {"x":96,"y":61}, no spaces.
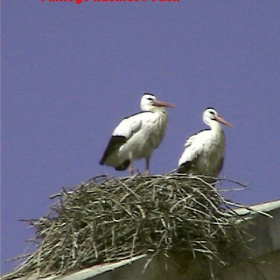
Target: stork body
{"x":137,"y":136}
{"x":204,"y":151}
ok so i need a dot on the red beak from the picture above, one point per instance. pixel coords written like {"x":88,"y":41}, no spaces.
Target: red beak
{"x":164,"y":104}
{"x":222,"y":120}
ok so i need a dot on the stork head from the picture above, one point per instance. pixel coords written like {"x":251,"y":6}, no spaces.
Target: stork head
{"x":210,"y":117}
{"x":150,"y":103}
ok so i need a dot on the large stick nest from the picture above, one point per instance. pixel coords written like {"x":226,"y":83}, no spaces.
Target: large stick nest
{"x":106,"y":220}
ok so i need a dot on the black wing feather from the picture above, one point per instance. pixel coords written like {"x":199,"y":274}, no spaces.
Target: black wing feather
{"x":114,"y":143}
{"x":185,"y":167}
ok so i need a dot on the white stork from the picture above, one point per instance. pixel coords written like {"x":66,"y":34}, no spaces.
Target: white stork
{"x":138,"y":135}
{"x":204,"y":151}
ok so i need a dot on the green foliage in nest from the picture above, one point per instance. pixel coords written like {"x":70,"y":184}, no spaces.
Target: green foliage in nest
{"x":107,"y":220}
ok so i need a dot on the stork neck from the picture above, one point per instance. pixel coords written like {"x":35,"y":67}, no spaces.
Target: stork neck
{"x":158,"y":109}
{"x":216,"y":127}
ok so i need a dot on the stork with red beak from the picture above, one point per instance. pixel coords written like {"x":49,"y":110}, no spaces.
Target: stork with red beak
{"x":137,"y":136}
{"x":204,"y":151}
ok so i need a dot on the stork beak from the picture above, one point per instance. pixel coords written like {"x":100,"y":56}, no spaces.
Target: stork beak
{"x":222,"y":120}
{"x":163,"y":104}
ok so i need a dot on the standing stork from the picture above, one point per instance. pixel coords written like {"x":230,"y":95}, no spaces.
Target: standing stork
{"x":204,"y":151}
{"x":138,"y":135}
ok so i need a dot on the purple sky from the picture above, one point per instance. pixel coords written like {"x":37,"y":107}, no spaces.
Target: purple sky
{"x":71,"y":72}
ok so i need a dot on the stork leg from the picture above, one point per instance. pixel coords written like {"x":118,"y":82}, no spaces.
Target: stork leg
{"x":131,"y":168}
{"x":148,"y":166}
